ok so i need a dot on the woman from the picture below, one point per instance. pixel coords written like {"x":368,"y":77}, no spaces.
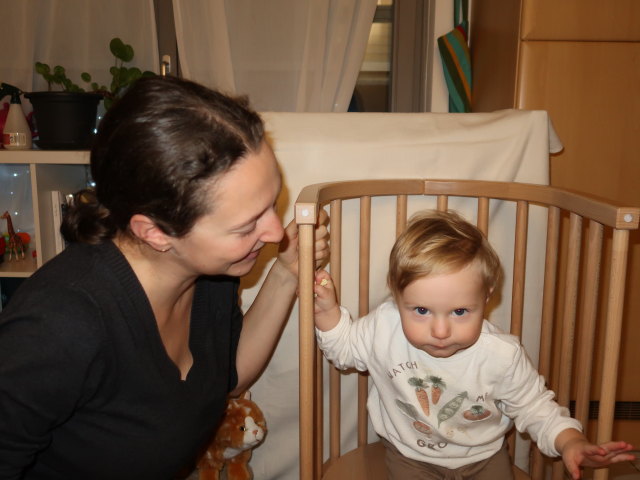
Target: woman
{"x":117,"y":356}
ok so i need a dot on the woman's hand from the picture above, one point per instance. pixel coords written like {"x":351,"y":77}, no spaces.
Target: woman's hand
{"x":288,"y":251}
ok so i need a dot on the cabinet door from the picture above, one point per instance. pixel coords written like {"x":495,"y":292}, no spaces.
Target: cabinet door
{"x":593,"y":20}
{"x":591,"y":92}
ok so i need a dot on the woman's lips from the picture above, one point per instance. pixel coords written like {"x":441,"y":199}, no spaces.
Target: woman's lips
{"x":252,"y":255}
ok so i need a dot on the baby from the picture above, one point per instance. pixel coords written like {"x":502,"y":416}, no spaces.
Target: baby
{"x":447,"y":384}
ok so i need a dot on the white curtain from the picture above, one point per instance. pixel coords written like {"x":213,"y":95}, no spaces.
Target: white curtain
{"x":74,"y":34}
{"x":286,"y":55}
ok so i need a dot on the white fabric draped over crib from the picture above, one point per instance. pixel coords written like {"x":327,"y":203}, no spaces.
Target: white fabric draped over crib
{"x":507,"y":145}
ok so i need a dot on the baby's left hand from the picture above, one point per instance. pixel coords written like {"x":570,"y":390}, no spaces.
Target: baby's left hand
{"x":579,"y":452}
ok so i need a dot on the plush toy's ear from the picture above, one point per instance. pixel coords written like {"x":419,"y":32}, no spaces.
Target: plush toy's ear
{"x":247,"y":395}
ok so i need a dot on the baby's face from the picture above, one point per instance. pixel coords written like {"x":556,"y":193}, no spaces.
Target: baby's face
{"x":442,"y":314}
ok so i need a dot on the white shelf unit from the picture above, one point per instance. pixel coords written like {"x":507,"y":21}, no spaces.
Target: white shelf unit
{"x":62,"y":170}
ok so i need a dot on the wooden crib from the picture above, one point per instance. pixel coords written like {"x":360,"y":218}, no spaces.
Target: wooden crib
{"x":576,"y":246}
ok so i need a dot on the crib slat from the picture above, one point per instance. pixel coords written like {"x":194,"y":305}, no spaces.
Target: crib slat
{"x":307,"y":348}
{"x":618,"y":271}
{"x":443,"y":203}
{"x":401,"y":214}
{"x":569,"y":311}
{"x":584,"y":358}
{"x":568,"y":321}
{"x":517,"y":289}
{"x":548,"y":314}
{"x":549,"y":292}
{"x":335,"y":239}
{"x":483,"y":215}
{"x":335,"y":259}
{"x":519,"y":267}
{"x":318,"y":412}
{"x":363,"y":306}
{"x":365,"y":254}
{"x":548,"y":311}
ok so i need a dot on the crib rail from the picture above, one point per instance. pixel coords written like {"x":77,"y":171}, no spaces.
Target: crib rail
{"x":569,"y":214}
{"x":595,"y":208}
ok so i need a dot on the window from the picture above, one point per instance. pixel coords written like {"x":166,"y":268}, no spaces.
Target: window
{"x":396,"y":72}
{"x":371,"y":93}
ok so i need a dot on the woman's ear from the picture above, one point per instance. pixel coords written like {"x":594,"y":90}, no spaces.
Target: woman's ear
{"x":146,"y":230}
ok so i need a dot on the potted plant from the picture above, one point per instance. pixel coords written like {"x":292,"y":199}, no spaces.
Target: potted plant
{"x":66,"y":118}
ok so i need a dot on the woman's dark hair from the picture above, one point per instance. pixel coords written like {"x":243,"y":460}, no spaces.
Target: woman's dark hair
{"x":156,"y":151}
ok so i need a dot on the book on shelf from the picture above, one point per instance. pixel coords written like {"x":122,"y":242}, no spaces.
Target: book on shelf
{"x":59,"y":205}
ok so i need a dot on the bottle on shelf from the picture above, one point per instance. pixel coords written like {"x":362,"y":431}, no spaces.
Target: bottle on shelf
{"x":16,"y":134}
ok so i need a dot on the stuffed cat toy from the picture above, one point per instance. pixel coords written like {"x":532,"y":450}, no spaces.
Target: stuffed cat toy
{"x":243,"y":428}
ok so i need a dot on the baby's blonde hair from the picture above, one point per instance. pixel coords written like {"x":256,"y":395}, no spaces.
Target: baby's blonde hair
{"x":437,"y":243}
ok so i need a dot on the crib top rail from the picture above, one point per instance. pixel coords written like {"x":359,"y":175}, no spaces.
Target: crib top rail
{"x":598,"y":209}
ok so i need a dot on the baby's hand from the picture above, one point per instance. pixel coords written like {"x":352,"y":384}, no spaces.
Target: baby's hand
{"x":327,"y":310}
{"x":324,"y":292}
{"x":581,"y":453}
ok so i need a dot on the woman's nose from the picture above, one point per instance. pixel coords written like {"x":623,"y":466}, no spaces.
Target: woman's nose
{"x":273,"y":229}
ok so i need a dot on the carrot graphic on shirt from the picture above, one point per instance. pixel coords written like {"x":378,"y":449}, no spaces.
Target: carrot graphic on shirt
{"x":421,"y":393}
{"x":476,"y":413}
{"x":437,"y":385}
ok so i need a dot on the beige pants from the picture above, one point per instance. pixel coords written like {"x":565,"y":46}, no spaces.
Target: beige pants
{"x":400,"y":467}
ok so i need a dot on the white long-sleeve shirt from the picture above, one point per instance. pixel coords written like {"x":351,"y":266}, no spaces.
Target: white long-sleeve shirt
{"x":446,"y":411}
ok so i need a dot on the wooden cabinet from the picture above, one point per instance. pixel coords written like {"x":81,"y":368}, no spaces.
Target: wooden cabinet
{"x":66,"y":171}
{"x":580,"y":61}
{"x":584,"y":20}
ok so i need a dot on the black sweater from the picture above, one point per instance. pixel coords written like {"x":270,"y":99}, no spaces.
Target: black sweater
{"x":86,"y":387}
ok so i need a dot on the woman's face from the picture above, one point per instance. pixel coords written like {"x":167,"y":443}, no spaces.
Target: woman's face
{"x":228,"y":239}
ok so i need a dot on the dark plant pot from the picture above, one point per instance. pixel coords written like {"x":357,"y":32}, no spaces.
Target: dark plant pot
{"x":64,"y":120}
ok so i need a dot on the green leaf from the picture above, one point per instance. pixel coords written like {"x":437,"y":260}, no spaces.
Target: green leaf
{"x":128,"y":54}
{"x":43,"y":68}
{"x":122,"y":77}
{"x":121,"y":50}
{"x":133,"y":74}
{"x":116,"y":46}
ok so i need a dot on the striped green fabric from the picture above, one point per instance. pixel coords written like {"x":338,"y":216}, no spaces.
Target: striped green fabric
{"x":456,"y":61}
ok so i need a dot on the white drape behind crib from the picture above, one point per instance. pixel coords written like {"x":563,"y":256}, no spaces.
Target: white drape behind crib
{"x":508,"y":145}
{"x":287,"y":55}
